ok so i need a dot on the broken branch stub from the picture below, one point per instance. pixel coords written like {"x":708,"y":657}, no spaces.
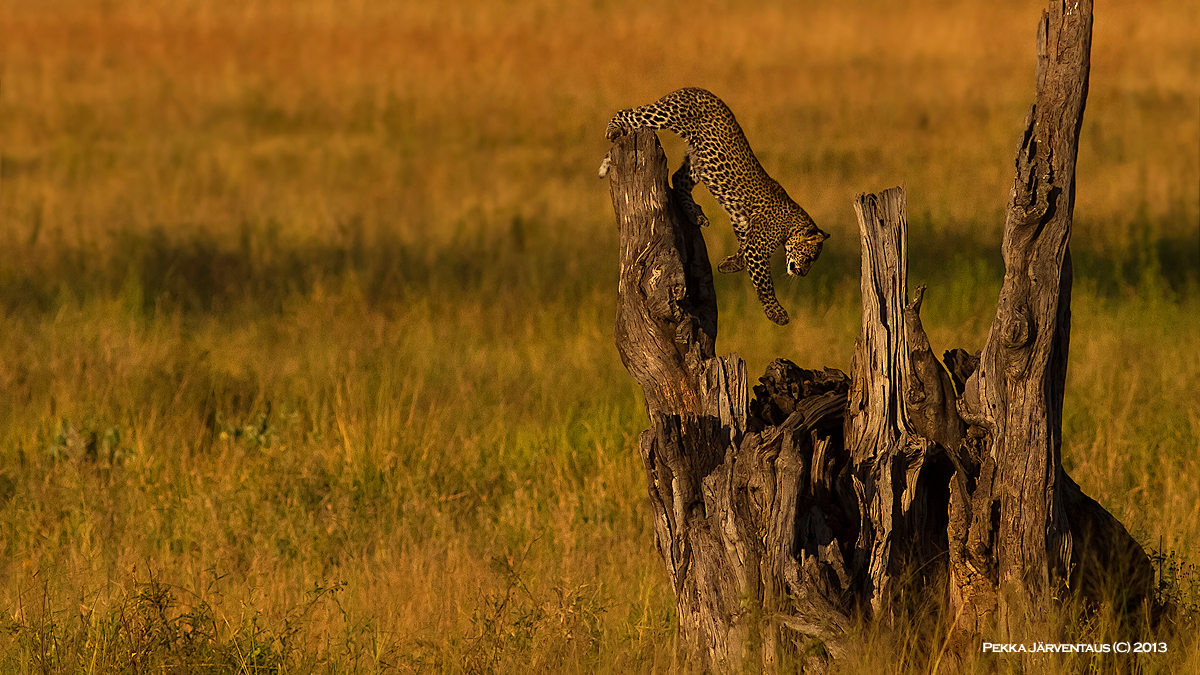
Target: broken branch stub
{"x":900,"y":416}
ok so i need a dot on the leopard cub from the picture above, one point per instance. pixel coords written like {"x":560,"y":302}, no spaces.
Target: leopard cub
{"x":762,"y":213}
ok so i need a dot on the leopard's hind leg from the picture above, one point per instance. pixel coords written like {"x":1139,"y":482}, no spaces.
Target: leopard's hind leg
{"x":668,"y":112}
{"x":682,"y":182}
{"x":733,"y":263}
{"x":652,"y":116}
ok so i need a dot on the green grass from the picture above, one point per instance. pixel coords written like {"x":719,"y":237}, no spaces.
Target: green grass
{"x":352,"y":460}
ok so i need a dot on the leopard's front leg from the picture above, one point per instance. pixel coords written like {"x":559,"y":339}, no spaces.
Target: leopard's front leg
{"x":757,"y":258}
{"x":733,"y":263}
{"x":737,"y":261}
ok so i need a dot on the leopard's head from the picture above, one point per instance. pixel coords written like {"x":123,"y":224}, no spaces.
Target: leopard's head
{"x":803,"y":248}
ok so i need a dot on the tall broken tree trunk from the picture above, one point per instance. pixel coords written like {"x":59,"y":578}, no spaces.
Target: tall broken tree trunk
{"x":827,"y":496}
{"x":1014,"y":540}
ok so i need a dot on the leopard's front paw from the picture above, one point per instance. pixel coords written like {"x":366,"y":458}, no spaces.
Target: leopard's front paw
{"x":734,"y":263}
{"x":777,"y":314}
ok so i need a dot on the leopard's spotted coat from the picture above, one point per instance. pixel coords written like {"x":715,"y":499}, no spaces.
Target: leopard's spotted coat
{"x":762,"y":213}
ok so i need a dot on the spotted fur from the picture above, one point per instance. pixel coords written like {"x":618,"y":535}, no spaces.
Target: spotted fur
{"x":762,"y":213}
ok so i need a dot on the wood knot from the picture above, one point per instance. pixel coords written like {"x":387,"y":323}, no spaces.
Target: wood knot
{"x":1019,"y":328}
{"x":915,"y":393}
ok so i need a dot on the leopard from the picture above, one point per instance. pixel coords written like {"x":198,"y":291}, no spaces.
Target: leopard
{"x":719,"y":156}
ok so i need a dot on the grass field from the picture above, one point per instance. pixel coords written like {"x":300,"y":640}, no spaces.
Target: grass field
{"x":306,"y":356}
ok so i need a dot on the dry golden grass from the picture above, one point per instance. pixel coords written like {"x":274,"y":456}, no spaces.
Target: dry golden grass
{"x":306,"y":358}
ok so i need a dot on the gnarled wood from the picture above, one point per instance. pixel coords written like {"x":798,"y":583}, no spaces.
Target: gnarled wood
{"x":667,"y":308}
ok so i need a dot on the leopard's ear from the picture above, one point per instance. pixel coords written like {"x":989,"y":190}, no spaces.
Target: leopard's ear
{"x":822,"y":235}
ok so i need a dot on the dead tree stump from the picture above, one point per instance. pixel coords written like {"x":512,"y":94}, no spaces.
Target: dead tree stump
{"x":823,"y":498}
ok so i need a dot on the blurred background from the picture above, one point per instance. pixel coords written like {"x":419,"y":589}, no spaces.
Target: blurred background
{"x":306,"y":356}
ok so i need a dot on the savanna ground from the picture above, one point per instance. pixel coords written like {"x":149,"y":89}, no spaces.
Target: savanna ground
{"x":306,"y":358}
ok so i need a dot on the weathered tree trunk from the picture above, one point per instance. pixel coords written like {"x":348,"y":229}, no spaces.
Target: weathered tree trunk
{"x":826,"y":496}
{"x":1014,"y":539}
